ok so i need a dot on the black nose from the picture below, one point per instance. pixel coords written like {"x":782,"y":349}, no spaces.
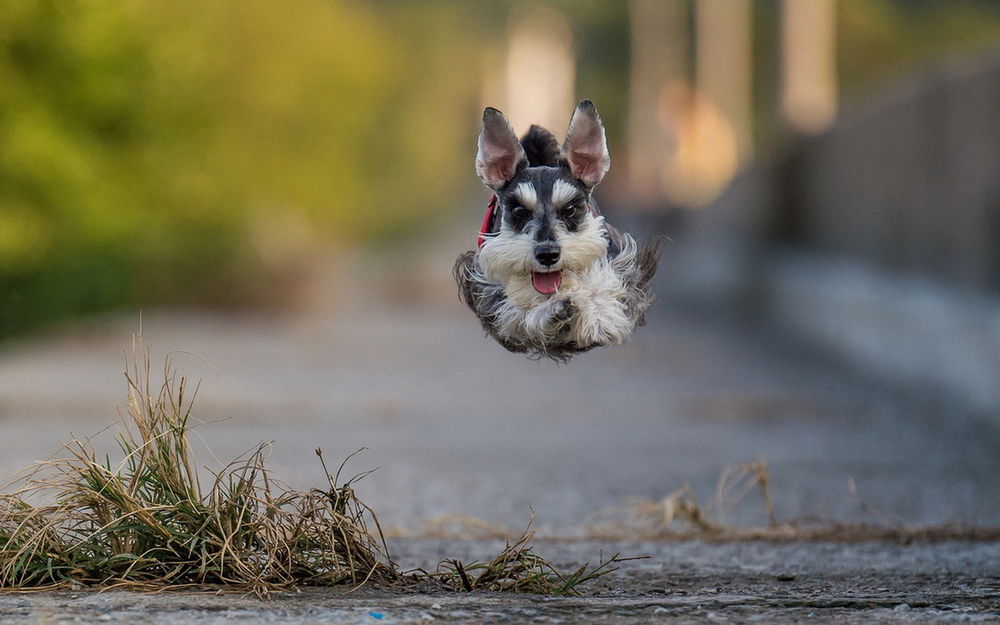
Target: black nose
{"x":547,"y":255}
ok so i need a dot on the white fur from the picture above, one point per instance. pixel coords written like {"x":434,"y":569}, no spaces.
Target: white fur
{"x":582,"y":248}
{"x":538,"y":324}
{"x":506,"y":254}
{"x":601,"y":300}
{"x":527,"y":195}
{"x":593,"y":284}
{"x":509,"y":258}
{"x":562,"y":193}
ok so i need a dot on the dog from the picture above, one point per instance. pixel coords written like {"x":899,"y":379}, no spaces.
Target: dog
{"x":550,"y":277}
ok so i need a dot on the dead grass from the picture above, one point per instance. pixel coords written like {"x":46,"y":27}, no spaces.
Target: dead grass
{"x":517,"y":568}
{"x":145,"y":522}
{"x":679,"y":516}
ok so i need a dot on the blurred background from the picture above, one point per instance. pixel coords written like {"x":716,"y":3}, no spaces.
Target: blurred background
{"x":828,"y":172}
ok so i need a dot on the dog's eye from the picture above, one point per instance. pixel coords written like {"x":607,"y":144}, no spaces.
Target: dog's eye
{"x":520,"y":213}
{"x":571,"y":211}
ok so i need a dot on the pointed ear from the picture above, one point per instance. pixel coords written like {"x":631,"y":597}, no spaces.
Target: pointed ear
{"x":585,"y":150}
{"x":500,"y":153}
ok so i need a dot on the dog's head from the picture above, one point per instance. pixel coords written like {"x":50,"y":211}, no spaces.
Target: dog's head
{"x":547,"y":224}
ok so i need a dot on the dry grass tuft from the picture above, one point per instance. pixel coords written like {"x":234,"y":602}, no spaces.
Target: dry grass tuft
{"x":517,"y":568}
{"x":679,"y":516}
{"x":644,"y":518}
{"x":146,"y":523}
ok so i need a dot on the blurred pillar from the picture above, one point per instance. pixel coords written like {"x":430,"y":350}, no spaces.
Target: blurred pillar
{"x":809,"y":64}
{"x":540,"y":71}
{"x":659,"y":58}
{"x":724,"y":64}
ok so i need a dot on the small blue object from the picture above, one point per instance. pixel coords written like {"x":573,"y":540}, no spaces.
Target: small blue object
{"x":376,"y":615}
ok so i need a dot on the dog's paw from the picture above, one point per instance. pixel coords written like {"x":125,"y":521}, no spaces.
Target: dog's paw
{"x":563,"y":310}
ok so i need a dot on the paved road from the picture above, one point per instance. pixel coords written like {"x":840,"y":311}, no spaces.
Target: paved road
{"x":459,"y":427}
{"x":680,"y":583}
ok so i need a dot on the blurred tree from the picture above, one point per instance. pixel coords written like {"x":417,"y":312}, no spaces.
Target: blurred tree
{"x":192,"y":152}
{"x":877,"y":38}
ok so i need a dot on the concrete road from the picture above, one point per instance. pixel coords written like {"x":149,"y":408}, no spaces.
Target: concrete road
{"x":680,"y":583}
{"x":459,"y":427}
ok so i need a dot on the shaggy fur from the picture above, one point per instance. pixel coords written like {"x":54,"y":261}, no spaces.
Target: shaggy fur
{"x":545,"y":203}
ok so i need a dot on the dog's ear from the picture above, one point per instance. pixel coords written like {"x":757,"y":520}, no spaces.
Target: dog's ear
{"x":585,"y":150}
{"x":500,"y":153}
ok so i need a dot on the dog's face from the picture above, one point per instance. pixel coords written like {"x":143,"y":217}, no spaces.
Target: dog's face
{"x":547,"y":226}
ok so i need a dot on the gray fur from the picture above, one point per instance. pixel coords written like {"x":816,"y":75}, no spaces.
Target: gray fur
{"x":608,"y":293}
{"x":487,"y":300}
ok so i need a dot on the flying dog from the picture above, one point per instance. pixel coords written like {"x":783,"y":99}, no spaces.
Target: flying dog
{"x":550,"y":277}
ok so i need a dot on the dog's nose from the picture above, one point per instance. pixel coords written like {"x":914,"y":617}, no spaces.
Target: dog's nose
{"x":547,"y":255}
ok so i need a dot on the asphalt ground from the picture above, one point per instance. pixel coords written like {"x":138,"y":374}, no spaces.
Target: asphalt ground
{"x":690,"y":582}
{"x":459,"y":428}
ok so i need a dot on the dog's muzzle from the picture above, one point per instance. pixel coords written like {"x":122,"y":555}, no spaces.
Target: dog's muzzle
{"x":546,"y":282}
{"x":547,"y":255}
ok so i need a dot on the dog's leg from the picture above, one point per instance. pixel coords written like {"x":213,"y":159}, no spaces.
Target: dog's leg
{"x":499,"y":318}
{"x":601,"y":317}
{"x":518,"y":329}
{"x":613,"y":296}
{"x":548,"y":323}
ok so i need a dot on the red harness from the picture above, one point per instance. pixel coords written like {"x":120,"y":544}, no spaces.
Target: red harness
{"x":487,"y":227}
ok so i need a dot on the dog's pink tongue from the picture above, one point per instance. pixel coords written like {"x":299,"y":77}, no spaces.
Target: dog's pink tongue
{"x":546,"y":283}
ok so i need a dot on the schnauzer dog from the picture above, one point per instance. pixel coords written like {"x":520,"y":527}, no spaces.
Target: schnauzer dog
{"x":549,"y":276}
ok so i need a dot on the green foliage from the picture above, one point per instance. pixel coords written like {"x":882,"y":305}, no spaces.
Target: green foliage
{"x":207,"y":153}
{"x":877,"y":38}
{"x":186,"y":152}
